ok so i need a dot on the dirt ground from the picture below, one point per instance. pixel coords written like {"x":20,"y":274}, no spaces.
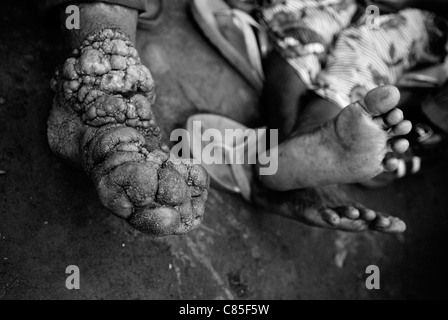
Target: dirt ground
{"x":50,"y":217}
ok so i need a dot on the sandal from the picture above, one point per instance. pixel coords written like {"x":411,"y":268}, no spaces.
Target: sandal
{"x":236,"y":34}
{"x":235,"y":175}
{"x":429,"y":77}
{"x":149,"y":17}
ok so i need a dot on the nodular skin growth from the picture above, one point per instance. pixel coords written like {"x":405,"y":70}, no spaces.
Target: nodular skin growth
{"x":102,"y":122}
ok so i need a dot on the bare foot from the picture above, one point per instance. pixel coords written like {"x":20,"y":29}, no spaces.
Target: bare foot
{"x":324,"y":207}
{"x":356,"y":145}
{"x":102,"y":121}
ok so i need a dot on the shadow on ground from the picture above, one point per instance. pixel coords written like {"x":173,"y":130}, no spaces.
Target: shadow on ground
{"x":50,"y":216}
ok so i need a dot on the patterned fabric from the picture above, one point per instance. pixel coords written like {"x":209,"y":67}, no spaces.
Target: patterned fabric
{"x":353,"y":57}
{"x":366,"y":58}
{"x":300,"y":24}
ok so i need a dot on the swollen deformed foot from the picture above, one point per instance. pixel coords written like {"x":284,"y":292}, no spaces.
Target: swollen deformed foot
{"x":102,"y":121}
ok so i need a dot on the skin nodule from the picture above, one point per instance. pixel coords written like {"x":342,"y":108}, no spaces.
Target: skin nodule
{"x":102,"y":122}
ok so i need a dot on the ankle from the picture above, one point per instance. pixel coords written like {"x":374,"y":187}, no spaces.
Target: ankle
{"x":96,"y":16}
{"x":102,"y":86}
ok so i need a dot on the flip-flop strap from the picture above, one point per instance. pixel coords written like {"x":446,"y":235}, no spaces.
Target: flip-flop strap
{"x":241,"y":178}
{"x":246,"y":23}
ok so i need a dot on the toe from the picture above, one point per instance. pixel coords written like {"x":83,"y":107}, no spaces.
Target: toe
{"x":352,"y":225}
{"x":128,"y":185}
{"x":157,"y":199}
{"x":343,"y":223}
{"x":159,"y":221}
{"x":400,"y":146}
{"x":402,"y":128}
{"x":172,"y":189}
{"x":381,"y":100}
{"x":397,"y":226}
{"x":382,"y":222}
{"x":391,"y":164}
{"x":394,"y":117}
{"x":184,"y":185}
{"x":323,"y":218}
{"x":368,"y":214}
{"x":386,"y":224}
{"x":349,"y":212}
{"x":330,"y":216}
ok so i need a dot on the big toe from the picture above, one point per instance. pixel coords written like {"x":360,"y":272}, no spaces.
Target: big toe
{"x":156,"y":220}
{"x":129,"y":185}
{"x":381,"y":100}
{"x":388,"y":224}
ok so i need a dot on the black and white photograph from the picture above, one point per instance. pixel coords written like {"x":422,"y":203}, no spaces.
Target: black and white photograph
{"x":223,"y":155}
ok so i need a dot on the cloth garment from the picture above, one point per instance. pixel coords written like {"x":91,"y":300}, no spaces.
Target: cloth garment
{"x":291,"y":24}
{"x":353,"y":56}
